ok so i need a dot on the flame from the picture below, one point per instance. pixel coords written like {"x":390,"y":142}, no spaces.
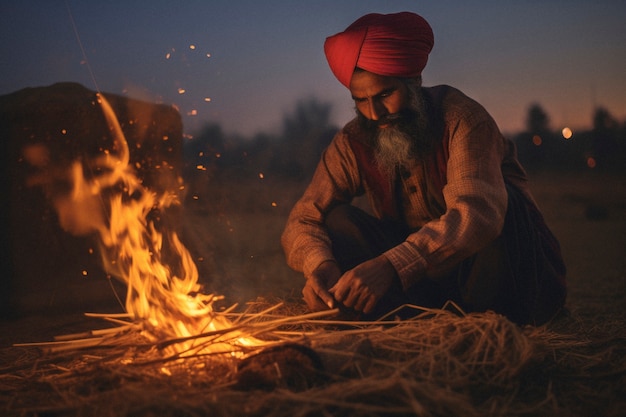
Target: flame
{"x":164,"y":296}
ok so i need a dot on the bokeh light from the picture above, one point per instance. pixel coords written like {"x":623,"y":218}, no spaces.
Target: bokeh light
{"x":567,"y":133}
{"x":537,"y":141}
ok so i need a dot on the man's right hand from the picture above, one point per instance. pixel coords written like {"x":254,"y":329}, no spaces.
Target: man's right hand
{"x":315,"y":289}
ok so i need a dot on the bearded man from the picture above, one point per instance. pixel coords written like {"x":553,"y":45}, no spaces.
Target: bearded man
{"x":451,"y":218}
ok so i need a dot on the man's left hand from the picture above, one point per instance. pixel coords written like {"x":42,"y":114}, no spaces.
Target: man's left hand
{"x":363,"y":286}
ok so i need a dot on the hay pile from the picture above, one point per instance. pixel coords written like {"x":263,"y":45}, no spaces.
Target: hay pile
{"x":440,"y":363}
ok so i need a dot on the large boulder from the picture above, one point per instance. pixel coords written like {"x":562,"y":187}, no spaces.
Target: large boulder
{"x":43,"y":266}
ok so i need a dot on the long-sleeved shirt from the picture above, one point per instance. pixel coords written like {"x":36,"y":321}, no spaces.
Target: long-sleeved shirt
{"x":454,"y":199}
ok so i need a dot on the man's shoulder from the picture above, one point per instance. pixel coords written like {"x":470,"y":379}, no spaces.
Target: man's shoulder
{"x":447,"y":94}
{"x":452,"y":104}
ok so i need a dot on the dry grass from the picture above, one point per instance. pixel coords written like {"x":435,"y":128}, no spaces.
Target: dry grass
{"x":441,"y":363}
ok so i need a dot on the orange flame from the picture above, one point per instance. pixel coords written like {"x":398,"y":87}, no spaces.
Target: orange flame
{"x":165,"y":297}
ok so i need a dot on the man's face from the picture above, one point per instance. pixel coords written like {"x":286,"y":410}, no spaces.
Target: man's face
{"x":378,"y":98}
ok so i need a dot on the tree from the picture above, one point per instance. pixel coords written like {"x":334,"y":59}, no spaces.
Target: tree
{"x":605,"y":146}
{"x":536,"y":144}
{"x":537,"y":121}
{"x":306,"y":132}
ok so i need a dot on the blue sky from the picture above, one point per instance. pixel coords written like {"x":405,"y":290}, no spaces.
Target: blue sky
{"x":254,"y":59}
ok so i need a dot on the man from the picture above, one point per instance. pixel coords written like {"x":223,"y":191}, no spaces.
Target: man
{"x":453,"y":218}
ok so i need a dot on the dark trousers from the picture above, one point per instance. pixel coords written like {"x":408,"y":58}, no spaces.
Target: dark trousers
{"x":520,"y":274}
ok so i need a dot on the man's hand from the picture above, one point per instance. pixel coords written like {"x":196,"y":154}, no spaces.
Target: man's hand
{"x":363,"y":286}
{"x":315,"y":289}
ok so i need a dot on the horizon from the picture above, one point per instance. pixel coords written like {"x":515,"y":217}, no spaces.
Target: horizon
{"x":244,"y":65}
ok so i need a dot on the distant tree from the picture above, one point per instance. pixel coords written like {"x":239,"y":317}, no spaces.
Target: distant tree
{"x":536,"y":144}
{"x":537,"y":121}
{"x":205,"y":146}
{"x":603,"y":121}
{"x":606,"y":149}
{"x":202,"y":159}
{"x":306,"y":132}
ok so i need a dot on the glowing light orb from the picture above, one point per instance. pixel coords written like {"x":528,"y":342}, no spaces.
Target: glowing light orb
{"x":591,"y":162}
{"x":567,"y":133}
{"x":537,"y":141}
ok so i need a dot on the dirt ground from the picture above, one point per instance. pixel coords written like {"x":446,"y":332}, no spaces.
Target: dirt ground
{"x":241,"y":257}
{"x":587,"y":212}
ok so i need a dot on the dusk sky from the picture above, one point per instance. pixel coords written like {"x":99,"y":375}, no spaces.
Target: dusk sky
{"x":244,"y":64}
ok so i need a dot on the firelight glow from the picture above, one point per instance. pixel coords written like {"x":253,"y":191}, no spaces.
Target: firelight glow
{"x":166,"y":299}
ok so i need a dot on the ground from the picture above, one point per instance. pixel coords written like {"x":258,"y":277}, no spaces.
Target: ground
{"x":238,"y":251}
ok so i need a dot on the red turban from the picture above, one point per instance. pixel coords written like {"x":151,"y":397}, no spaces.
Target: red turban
{"x":395,"y":45}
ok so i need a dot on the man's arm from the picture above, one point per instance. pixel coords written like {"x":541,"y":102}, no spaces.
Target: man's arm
{"x":305,"y":240}
{"x":476,"y":202}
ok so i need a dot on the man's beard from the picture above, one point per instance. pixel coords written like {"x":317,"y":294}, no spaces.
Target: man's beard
{"x":403,"y":140}
{"x":394,"y":149}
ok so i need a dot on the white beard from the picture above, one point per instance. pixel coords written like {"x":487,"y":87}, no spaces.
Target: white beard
{"x":393,"y":150}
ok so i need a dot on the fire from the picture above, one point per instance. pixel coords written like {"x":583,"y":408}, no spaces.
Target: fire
{"x":164,"y":296}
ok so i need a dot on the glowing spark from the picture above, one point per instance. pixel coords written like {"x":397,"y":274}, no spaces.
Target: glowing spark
{"x":261,"y":175}
{"x":207,"y":99}
{"x":192,"y":46}
{"x":181,"y":91}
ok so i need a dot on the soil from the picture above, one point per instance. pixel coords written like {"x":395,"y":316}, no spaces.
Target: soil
{"x":586,"y":211}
